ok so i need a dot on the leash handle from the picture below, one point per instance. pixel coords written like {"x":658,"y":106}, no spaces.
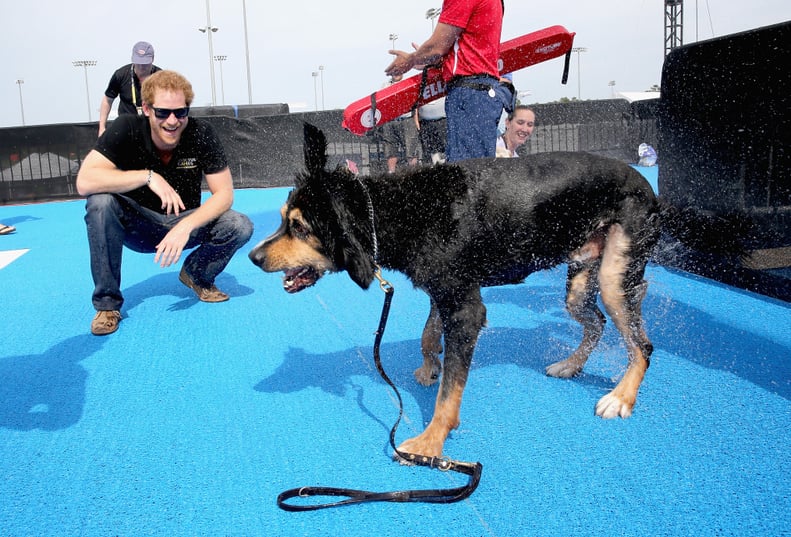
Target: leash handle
{"x":444,"y":464}
{"x":352,"y":496}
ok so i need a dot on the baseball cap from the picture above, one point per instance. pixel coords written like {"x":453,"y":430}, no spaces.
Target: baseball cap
{"x":142,"y":53}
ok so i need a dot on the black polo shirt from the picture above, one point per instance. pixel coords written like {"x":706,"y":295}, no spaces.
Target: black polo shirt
{"x":120,"y":85}
{"x":127,"y":143}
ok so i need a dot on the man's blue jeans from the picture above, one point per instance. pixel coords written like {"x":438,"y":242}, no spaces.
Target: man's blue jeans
{"x":115,"y":221}
{"x":473,"y":115}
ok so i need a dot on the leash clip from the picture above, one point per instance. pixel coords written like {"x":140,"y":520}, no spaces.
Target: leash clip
{"x":384,"y":285}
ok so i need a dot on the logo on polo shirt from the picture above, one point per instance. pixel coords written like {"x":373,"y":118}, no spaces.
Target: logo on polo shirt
{"x":187,"y":163}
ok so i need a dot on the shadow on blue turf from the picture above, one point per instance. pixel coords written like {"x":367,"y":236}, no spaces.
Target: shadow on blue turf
{"x":699,"y":337}
{"x":15,"y":220}
{"x":673,"y":326}
{"x":168,"y":284}
{"x":682,"y":330}
{"x":333,"y":373}
{"x":46,"y":391}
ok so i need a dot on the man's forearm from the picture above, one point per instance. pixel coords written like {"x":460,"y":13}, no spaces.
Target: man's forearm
{"x":110,"y":181}
{"x":104,"y":112}
{"x":218,"y":203}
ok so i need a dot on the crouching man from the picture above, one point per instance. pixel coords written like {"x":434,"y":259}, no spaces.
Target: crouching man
{"x":143,"y":187}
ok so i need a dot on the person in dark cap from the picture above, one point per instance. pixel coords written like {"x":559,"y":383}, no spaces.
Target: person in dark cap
{"x":126,"y":83}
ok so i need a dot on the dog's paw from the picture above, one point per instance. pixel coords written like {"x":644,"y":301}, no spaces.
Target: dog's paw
{"x":564,"y":369}
{"x":611,"y":406}
{"x":427,"y":375}
{"x":419,"y":446}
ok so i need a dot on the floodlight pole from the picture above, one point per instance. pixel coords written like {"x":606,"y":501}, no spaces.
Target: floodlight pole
{"x":219,"y":59}
{"x":321,"y":75}
{"x":432,"y":14}
{"x":208,"y":30}
{"x":21,"y":106}
{"x":579,"y":75}
{"x":85,"y":64}
{"x":315,"y":90}
{"x":247,"y":54}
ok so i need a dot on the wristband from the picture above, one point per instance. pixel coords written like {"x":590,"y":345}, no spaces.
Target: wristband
{"x":148,"y":179}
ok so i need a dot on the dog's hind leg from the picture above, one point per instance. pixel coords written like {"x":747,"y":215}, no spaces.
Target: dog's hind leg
{"x":581,"y":289}
{"x":463,"y":315}
{"x":431,"y":347}
{"x":622,"y":292}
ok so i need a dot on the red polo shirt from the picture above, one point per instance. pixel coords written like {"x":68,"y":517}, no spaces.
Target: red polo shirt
{"x":478,"y":47}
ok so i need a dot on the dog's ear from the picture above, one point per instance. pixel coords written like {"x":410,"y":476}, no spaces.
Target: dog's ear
{"x":358,"y":264}
{"x":315,"y":150}
{"x":354,"y":248}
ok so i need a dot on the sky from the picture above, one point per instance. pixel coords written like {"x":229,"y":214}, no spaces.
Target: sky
{"x":288,"y":41}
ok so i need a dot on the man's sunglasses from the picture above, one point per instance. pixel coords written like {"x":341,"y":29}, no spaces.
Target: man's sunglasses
{"x":164,"y":113}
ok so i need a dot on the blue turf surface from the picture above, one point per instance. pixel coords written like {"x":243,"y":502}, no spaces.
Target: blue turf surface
{"x":193,"y":417}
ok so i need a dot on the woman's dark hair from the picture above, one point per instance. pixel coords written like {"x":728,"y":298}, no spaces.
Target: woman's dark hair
{"x":517,"y":108}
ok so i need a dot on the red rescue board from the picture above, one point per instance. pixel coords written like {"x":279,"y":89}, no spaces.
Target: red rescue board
{"x":399,"y":98}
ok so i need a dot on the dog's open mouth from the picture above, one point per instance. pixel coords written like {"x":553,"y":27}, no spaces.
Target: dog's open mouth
{"x":297,"y":279}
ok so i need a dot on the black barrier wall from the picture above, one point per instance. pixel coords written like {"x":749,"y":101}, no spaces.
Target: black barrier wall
{"x":40,"y":163}
{"x":725,"y":128}
{"x":724,"y":123}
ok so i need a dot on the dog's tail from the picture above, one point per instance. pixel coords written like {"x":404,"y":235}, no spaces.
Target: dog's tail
{"x":725,"y":236}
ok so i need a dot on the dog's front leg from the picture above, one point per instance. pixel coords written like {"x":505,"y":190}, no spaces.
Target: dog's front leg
{"x":463,"y":316}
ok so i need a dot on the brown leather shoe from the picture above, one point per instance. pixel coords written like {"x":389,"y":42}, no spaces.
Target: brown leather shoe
{"x":205,"y":294}
{"x":105,"y":322}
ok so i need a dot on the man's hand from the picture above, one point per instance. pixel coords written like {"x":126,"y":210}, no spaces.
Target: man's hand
{"x":401,"y":64}
{"x":429,"y":53}
{"x":171,"y":201}
{"x":169,"y":250}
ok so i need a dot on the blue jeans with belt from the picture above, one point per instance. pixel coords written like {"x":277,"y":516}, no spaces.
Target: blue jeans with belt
{"x":473,"y":107}
{"x":115,"y":221}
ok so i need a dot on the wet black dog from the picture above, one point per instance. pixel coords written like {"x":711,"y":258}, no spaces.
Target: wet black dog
{"x":455,"y":228}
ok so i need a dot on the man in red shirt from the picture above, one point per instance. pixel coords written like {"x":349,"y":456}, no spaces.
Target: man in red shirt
{"x":467,"y":43}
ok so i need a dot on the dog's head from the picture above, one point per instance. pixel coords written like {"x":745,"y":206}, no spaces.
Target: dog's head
{"x":325,"y":227}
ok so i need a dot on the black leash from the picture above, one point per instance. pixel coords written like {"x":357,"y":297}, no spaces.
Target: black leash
{"x":359,"y":496}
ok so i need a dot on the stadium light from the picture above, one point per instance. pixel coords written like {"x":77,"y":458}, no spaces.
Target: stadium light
{"x":85,"y":64}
